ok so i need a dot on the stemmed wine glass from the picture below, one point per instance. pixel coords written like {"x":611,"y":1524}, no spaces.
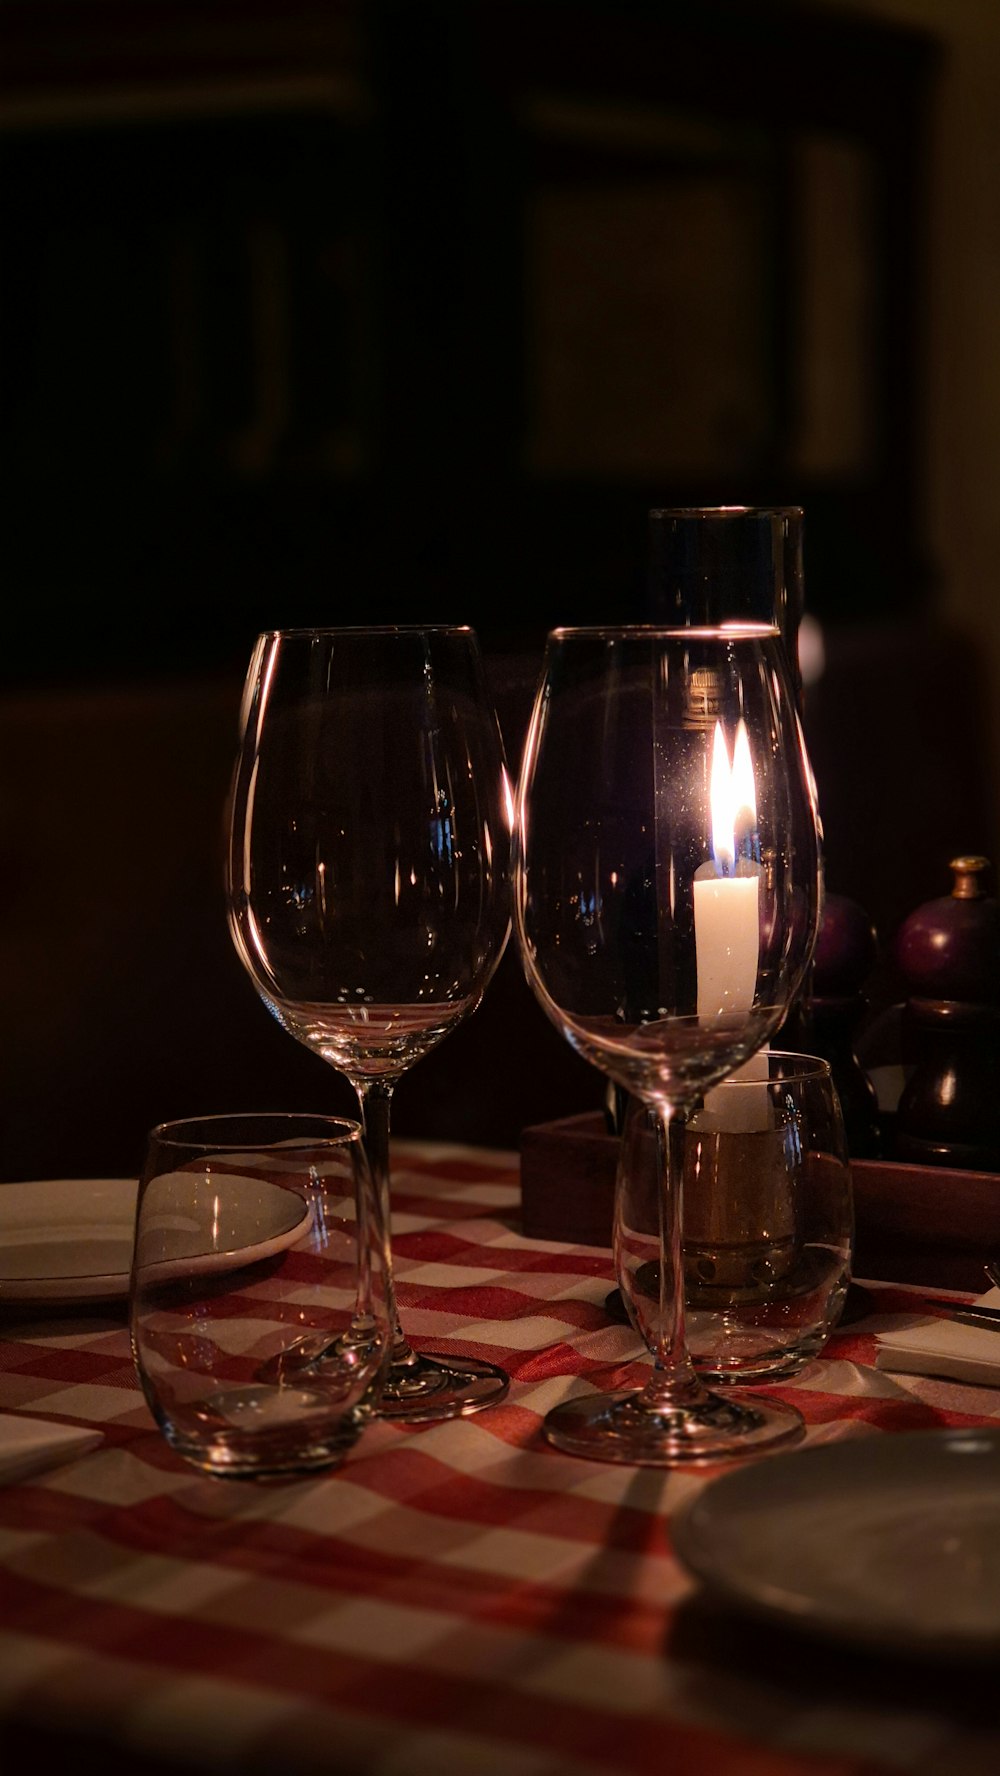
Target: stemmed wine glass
{"x":666,"y":883}
{"x":368,"y":886}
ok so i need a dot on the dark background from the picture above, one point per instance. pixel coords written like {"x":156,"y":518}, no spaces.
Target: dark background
{"x":311,"y":310}
{"x":410,"y":312}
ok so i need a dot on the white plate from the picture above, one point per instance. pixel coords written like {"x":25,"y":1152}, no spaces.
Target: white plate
{"x":891,"y":1540}
{"x":70,"y":1239}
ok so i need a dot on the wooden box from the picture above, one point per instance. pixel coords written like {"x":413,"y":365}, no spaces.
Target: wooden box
{"x":913,"y":1224}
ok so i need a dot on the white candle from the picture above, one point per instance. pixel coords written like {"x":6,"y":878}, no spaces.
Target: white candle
{"x":727,"y":924}
{"x":727,"y":933}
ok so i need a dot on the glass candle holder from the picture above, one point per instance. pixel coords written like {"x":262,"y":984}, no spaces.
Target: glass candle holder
{"x":768,"y":1217}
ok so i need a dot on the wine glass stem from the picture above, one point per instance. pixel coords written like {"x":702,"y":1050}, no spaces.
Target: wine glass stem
{"x":375,"y":1101}
{"x":674,"y":1381}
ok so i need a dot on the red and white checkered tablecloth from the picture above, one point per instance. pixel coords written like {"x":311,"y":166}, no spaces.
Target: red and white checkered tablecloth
{"x":457,"y":1598}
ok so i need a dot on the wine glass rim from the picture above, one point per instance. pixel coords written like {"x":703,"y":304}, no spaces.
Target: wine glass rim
{"x":337,"y":629}
{"x":735,"y":629}
{"x":726,"y":512}
{"x":794,"y":1066}
{"x":207,"y":1132}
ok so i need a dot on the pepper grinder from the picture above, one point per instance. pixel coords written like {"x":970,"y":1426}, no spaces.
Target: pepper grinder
{"x":948,"y":953}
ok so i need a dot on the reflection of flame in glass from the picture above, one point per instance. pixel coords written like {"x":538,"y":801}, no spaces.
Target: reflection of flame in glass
{"x":733,"y":796}
{"x":812,"y":650}
{"x":744,"y":788}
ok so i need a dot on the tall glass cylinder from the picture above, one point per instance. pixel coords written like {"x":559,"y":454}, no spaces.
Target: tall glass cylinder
{"x":721,"y":564}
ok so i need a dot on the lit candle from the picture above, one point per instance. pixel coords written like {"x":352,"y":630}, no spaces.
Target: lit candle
{"x":727,"y":921}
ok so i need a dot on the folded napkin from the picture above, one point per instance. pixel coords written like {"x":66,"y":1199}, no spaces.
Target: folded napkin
{"x":950,"y":1348}
{"x":29,"y":1444}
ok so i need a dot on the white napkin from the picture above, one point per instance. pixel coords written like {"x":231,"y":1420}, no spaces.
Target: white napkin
{"x":951,"y":1348}
{"x":29,"y":1444}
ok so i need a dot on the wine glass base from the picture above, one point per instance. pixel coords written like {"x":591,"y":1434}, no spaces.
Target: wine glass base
{"x":622,"y":1428}
{"x":427,"y":1387}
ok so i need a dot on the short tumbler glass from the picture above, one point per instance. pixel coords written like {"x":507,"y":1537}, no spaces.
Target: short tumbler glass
{"x":261,"y":1294}
{"x":768,"y":1218}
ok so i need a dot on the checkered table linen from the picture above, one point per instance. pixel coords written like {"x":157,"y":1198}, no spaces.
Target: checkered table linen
{"x":457,"y":1599}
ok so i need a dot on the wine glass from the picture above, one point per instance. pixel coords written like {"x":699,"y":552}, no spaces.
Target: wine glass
{"x":368,"y":886}
{"x":667,"y":884}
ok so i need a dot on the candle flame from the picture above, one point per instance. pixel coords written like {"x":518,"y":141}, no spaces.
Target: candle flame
{"x":733,"y":796}
{"x":721,"y":793}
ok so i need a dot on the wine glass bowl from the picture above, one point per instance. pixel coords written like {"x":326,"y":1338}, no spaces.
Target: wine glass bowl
{"x":368,"y":890}
{"x":666,"y":899}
